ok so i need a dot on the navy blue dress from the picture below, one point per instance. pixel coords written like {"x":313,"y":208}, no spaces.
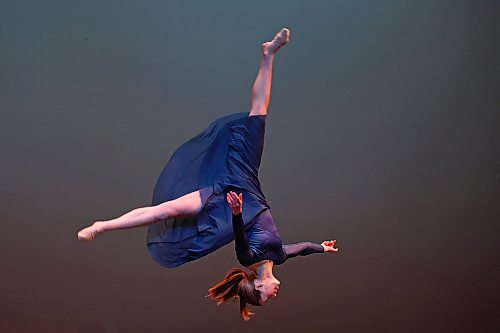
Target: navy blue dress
{"x":225,"y":156}
{"x":261,"y":241}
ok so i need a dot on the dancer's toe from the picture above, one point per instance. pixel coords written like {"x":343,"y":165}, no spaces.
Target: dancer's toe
{"x":281,"y":38}
{"x":88,"y":234}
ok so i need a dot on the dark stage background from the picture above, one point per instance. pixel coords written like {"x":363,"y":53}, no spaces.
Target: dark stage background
{"x":383,"y":132}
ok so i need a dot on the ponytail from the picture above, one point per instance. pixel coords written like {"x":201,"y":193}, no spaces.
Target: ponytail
{"x":237,"y":284}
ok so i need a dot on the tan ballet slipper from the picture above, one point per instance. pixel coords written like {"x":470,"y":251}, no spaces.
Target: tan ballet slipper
{"x":89,"y":233}
{"x":281,"y":38}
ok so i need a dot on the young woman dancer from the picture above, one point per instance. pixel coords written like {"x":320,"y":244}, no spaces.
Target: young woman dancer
{"x":258,"y":248}
{"x":190,"y":218}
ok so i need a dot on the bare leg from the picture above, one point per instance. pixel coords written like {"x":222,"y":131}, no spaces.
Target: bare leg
{"x":191,"y":204}
{"x":185,"y":206}
{"x":261,"y":92}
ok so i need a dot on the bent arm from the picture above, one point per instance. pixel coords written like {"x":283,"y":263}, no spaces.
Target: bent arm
{"x":243,"y":251}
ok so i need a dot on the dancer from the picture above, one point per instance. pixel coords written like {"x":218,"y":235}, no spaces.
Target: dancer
{"x":259,"y":252}
{"x":190,"y":218}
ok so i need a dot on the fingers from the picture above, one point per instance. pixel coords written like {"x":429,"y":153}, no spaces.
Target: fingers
{"x":237,"y":198}
{"x":233,"y":199}
{"x":330,"y":244}
{"x":230,"y":197}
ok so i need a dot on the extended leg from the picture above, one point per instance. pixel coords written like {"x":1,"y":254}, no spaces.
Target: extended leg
{"x":261,"y":92}
{"x":185,"y":206}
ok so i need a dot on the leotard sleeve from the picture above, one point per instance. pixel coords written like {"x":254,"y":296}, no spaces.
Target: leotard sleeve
{"x":301,"y":249}
{"x":243,"y":252}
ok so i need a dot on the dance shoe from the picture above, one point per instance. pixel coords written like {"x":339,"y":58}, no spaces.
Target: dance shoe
{"x":281,"y":38}
{"x":88,"y":234}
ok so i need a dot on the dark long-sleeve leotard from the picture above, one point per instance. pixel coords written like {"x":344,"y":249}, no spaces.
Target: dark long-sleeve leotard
{"x":264,"y":243}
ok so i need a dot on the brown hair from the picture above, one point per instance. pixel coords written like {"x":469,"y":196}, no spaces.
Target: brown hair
{"x":237,"y":284}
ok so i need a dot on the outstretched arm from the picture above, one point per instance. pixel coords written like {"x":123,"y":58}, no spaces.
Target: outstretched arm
{"x":306,"y":248}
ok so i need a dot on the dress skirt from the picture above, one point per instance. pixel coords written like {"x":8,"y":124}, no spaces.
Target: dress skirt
{"x":225,"y":156}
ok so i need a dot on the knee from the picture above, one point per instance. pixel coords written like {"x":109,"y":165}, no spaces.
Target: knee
{"x":163,"y":211}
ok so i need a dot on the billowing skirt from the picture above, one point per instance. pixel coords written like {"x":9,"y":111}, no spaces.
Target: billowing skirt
{"x":225,"y":156}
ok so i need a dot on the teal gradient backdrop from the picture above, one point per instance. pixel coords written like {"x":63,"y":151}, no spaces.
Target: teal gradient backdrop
{"x":383,"y":133}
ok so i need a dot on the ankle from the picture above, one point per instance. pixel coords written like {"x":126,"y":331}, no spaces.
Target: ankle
{"x":99,"y":227}
{"x":267,"y":52}
{"x":268,"y":59}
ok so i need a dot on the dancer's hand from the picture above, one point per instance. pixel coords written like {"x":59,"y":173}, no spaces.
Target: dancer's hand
{"x":329,"y":246}
{"x":235,"y":202}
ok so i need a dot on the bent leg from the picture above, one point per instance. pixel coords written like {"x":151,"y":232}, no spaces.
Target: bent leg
{"x":185,"y":206}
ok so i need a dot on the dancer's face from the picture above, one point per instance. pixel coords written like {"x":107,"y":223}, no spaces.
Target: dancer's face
{"x":268,"y":289}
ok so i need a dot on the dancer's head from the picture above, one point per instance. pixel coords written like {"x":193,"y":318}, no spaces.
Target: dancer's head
{"x":239,"y":284}
{"x":268,"y":288}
